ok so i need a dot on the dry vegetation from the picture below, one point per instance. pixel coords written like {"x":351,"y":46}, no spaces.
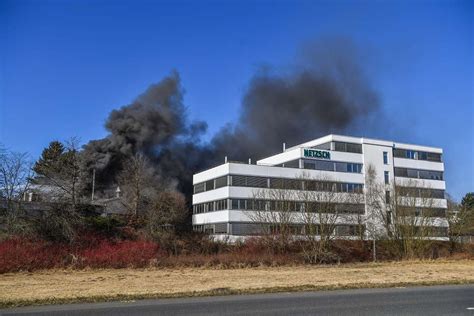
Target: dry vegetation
{"x":59,"y":286}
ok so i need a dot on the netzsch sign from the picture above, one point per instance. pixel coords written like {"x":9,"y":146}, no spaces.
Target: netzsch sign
{"x":311,"y":153}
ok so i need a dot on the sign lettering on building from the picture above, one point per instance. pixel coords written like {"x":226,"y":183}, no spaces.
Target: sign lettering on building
{"x":313,"y":153}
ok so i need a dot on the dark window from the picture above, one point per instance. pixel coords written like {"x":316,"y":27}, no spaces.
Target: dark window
{"x":386,"y":177}
{"x":220,"y":228}
{"x":432,"y":175}
{"x":349,"y":167}
{"x":239,"y":181}
{"x":234,"y":204}
{"x":276,"y":183}
{"x":419,"y":174}
{"x":292,"y":164}
{"x":432,"y":193}
{"x":210,"y":207}
{"x":385,"y":158}
{"x":221,"y":182}
{"x":338,"y":146}
{"x":433,"y":157}
{"x":332,"y":166}
{"x":293,"y":184}
{"x":420,"y":155}
{"x":420,"y":192}
{"x":411,"y":154}
{"x":341,"y":166}
{"x":199,"y":187}
{"x":401,"y":172}
{"x":249,"y":205}
{"x":325,"y":146}
{"x":245,"y":229}
{"x":324,"y":165}
{"x":387,"y":197}
{"x":411,"y":173}
{"x":354,"y":148}
{"x":399,"y":153}
{"x":257,"y":182}
{"x":435,"y":212}
{"x":348,"y":147}
{"x":209,"y":185}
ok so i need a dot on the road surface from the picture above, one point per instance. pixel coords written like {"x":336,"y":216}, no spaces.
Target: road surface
{"x":433,"y":300}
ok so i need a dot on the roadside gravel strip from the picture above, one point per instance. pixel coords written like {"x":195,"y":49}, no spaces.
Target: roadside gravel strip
{"x":68,"y":286}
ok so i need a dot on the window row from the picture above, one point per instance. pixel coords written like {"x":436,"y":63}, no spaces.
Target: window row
{"x":332,"y":166}
{"x":417,"y":155}
{"x":423,"y":231}
{"x":210,"y":184}
{"x":340,"y":146}
{"x":418,"y":174}
{"x":248,"y":229}
{"x":210,"y":206}
{"x":348,"y":147}
{"x":420,"y":192}
{"x":279,"y":183}
{"x":279,"y":206}
{"x":422,"y":212}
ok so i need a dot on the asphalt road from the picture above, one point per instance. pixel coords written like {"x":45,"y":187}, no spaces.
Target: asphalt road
{"x":433,"y":300}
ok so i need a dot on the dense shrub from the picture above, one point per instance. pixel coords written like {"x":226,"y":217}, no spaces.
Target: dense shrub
{"x":120,"y":254}
{"x":20,"y":254}
{"x":95,"y":251}
{"x":109,"y":226}
{"x":26,"y":255}
{"x":352,"y":251}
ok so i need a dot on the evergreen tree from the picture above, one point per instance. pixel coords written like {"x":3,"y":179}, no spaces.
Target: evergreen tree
{"x":50,"y":160}
{"x":468,"y":201}
{"x":60,"y":164}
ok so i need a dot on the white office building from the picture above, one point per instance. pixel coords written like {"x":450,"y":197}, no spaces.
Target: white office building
{"x":226,"y":197}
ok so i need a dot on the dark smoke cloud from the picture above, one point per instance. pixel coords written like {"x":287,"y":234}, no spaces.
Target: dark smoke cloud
{"x":155,"y":124}
{"x":324,"y":92}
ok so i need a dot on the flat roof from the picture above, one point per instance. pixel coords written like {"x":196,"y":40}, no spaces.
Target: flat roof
{"x":364,"y":140}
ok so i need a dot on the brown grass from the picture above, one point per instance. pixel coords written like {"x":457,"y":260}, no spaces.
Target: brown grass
{"x":60,"y":286}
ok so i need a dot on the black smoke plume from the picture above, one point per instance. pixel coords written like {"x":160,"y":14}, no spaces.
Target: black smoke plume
{"x":155,"y":124}
{"x":324,"y":92}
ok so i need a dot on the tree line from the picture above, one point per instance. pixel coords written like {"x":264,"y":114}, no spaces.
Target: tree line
{"x":68,"y":203}
{"x":402,"y":221}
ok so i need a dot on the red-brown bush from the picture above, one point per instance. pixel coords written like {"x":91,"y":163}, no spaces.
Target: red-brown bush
{"x":95,"y":251}
{"x":20,"y":254}
{"x":27,"y":255}
{"x":119,"y":254}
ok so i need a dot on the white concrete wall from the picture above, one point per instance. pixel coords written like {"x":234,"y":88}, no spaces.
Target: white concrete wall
{"x":372,"y":155}
{"x":418,"y":164}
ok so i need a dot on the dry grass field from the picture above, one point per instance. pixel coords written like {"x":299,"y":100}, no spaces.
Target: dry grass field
{"x":60,"y":286}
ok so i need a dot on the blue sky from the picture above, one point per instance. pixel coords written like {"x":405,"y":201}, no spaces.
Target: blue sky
{"x":64,"y":65}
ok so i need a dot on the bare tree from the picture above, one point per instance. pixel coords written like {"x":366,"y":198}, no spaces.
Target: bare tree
{"x":405,"y":215}
{"x":139,"y":184}
{"x":165,"y":216}
{"x":15,"y":175}
{"x":377,"y":221}
{"x":328,"y":205}
{"x":306,"y":210}
{"x":461,"y":222}
{"x":274,"y":210}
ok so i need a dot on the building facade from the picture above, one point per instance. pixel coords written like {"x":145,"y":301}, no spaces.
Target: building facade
{"x":229,"y":199}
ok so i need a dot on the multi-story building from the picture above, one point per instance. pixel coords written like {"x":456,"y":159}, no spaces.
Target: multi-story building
{"x":226,"y":197}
